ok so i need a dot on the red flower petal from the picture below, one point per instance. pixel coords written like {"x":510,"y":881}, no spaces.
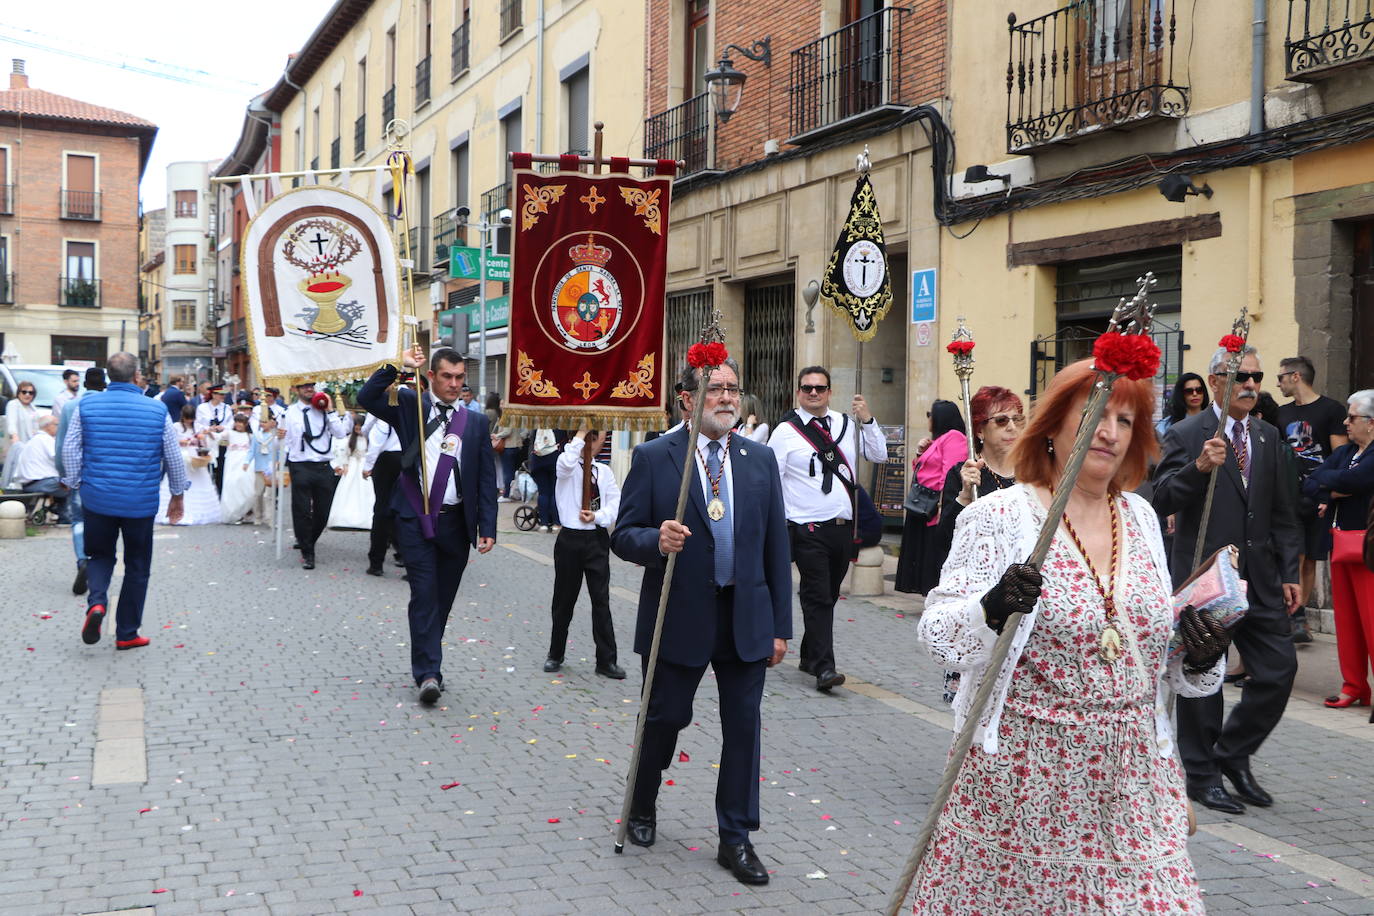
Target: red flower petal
{"x":451,"y":785}
{"x":357,"y":893}
{"x":669,"y":782}
{"x":553,"y":820}
{"x":159,"y":890}
{"x":683,"y":758}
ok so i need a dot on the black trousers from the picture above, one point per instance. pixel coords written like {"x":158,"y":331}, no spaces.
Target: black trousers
{"x":312,"y":493}
{"x":219,"y":468}
{"x":579,"y":553}
{"x":435,"y":568}
{"x":1264,"y":640}
{"x":821,"y":553}
{"x":384,"y":474}
{"x":740,"y":685}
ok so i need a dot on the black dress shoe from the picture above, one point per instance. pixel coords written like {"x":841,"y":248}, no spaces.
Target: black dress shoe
{"x":79,"y":585}
{"x":307,"y":559}
{"x":743,"y":864}
{"x":1216,"y":798}
{"x":1246,"y":787}
{"x":553,"y":664}
{"x":805,"y":668}
{"x":828,"y":679}
{"x":643,"y":828}
{"x":430,"y":691}
{"x":374,"y":570}
{"x":612,"y":671}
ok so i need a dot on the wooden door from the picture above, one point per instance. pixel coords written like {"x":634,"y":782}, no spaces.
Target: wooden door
{"x":1362,"y":339}
{"x":1119,"y":55}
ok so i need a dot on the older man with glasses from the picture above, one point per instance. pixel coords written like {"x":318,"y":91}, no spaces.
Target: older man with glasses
{"x":817,"y":449}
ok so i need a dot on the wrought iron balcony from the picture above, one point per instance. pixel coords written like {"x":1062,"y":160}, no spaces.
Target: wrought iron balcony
{"x":510,"y":17}
{"x":419,"y":248}
{"x":1327,"y":36}
{"x":334,"y":153}
{"x":459,"y":56}
{"x":238,"y":335}
{"x":548,"y":168}
{"x":1091,"y":66}
{"x":682,"y":132}
{"x":7,"y":289}
{"x":360,"y":136}
{"x":81,"y":205}
{"x":78,"y":291}
{"x":6,"y":199}
{"x":388,"y":108}
{"x":422,"y":82}
{"x":852,"y":75}
{"x":447,"y":232}
{"x":494,"y":201}
{"x":234,"y":264}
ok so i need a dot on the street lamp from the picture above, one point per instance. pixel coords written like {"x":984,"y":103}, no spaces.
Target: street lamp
{"x":726,"y":84}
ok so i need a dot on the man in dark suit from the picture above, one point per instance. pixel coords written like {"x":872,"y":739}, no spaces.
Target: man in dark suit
{"x":435,"y":539}
{"x":1254,"y":508}
{"x":730,"y":603}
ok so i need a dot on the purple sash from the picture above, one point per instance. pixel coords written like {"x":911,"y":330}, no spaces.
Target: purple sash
{"x":410,"y":484}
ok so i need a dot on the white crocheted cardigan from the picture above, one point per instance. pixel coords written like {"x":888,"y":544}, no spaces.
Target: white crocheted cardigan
{"x":996,"y":531}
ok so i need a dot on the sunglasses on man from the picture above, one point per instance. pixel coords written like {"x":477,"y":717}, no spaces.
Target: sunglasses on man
{"x":1244,"y":377}
{"x":813,"y":389}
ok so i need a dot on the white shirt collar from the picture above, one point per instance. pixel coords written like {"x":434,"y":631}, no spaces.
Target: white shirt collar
{"x":1230,"y":422}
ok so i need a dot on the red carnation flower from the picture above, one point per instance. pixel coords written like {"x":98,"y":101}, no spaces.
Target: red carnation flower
{"x":960,"y":347}
{"x":701,"y":355}
{"x":1135,"y":356}
{"x":1233,"y":343}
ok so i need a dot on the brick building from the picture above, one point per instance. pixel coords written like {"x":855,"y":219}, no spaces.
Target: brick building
{"x":69,"y":266}
{"x":765,"y":190}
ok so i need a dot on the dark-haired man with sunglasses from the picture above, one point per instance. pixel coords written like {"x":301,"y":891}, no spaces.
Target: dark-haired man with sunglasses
{"x":1314,"y":426}
{"x":817,"y":450}
{"x":1255,"y":509}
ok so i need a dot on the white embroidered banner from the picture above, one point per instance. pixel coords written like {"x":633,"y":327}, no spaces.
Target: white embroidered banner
{"x":322,"y":287}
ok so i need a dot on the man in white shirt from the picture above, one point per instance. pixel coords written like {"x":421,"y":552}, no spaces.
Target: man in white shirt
{"x":271,"y":399}
{"x":817,"y":449}
{"x":215,"y":416}
{"x":36,"y":470}
{"x":312,"y":423}
{"x":382,"y":465}
{"x":71,"y":379}
{"x":584,"y":548}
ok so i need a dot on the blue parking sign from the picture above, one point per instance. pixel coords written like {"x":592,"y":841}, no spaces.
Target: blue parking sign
{"x":923,"y":289}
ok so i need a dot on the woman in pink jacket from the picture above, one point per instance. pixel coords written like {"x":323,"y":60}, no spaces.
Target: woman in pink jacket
{"x":918,"y":567}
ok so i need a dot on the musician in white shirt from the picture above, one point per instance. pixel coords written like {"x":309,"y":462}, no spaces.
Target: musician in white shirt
{"x":818,"y":496}
{"x":312,"y":423}
{"x":583,"y":548}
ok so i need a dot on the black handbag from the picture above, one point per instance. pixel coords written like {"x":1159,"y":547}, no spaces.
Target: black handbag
{"x":922,"y":500}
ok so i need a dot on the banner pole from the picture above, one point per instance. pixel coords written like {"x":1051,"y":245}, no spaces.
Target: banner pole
{"x":401,"y":169}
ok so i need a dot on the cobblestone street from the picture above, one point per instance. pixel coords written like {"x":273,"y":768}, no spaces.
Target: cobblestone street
{"x":266,"y":754}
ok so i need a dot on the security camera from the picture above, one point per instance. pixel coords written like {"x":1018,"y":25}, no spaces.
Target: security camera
{"x":505,"y":216}
{"x":462,"y":213}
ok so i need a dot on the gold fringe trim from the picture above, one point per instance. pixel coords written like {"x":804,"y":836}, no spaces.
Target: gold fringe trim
{"x":351,"y":374}
{"x":634,"y":419}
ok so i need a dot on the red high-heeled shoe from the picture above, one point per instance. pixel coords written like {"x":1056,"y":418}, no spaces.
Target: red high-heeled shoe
{"x":1343,"y":701}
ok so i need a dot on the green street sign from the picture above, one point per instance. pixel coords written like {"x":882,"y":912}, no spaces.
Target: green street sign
{"x":498,"y":313}
{"x":463,"y":264}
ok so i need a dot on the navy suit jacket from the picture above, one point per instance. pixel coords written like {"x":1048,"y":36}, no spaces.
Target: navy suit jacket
{"x":476,"y":462}
{"x":763,"y":573}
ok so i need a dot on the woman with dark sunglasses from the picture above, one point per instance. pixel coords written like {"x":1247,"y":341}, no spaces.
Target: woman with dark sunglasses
{"x":21,"y":422}
{"x":1189,"y":396}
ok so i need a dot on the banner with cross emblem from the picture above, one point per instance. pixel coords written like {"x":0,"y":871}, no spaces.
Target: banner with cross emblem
{"x":321,"y":286}
{"x":588,"y":268}
{"x":857,"y":284}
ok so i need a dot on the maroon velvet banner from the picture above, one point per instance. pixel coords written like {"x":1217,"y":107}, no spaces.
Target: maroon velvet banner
{"x":587,"y":286}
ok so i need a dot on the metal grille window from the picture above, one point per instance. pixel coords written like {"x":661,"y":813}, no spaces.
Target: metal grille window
{"x":768,"y":347}
{"x":510,"y":17}
{"x":422,"y":82}
{"x":459,"y":54}
{"x":684,"y":316}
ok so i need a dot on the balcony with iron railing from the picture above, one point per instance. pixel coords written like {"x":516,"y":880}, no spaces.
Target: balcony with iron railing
{"x":360,"y":136}
{"x":234,"y":258}
{"x":422,"y":82}
{"x":683,"y":132}
{"x":388,"y":108}
{"x":334,"y":152}
{"x":1326,"y":37}
{"x":6,"y":199}
{"x":419,"y":248}
{"x":854,"y":75}
{"x":81,"y":205}
{"x":7,"y":289}
{"x":511,"y":20}
{"x":494,"y":201}
{"x":79,"y":292}
{"x":238,"y":334}
{"x":1090,"y":67}
{"x":460,"y":55}
{"x":447,"y":232}
{"x":548,"y":168}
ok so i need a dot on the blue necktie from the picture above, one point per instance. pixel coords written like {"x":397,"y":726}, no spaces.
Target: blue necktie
{"x":723,"y":531}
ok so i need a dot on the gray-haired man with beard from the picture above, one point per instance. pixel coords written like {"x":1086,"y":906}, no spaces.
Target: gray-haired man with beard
{"x":1254,"y":508}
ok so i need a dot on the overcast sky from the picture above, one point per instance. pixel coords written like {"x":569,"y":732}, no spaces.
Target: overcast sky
{"x":228,"y":53}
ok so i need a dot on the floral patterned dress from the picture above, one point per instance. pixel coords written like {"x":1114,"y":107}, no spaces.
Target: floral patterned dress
{"x":1077,"y":812}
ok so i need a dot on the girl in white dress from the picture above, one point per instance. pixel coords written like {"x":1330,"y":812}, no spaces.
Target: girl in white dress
{"x":237,"y":499}
{"x":353,"y":499}
{"x":201,"y":503}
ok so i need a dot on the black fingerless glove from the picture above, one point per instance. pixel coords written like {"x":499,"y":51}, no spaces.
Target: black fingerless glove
{"x":1015,"y":593}
{"x":1204,"y":640}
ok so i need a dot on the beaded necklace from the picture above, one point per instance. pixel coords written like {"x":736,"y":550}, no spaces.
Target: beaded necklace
{"x":1110,"y":639}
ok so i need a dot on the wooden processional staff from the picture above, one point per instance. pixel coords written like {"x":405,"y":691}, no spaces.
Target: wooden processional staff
{"x":1125,"y":350}
{"x":961,"y":345}
{"x":1234,"y":343}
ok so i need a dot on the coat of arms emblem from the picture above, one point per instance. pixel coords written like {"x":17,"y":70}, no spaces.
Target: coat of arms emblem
{"x":586,"y":300}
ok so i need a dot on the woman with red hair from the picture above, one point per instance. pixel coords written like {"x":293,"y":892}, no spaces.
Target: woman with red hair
{"x":1070,"y":800}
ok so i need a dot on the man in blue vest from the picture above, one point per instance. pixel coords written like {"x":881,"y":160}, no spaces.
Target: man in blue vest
{"x":116,"y":450}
